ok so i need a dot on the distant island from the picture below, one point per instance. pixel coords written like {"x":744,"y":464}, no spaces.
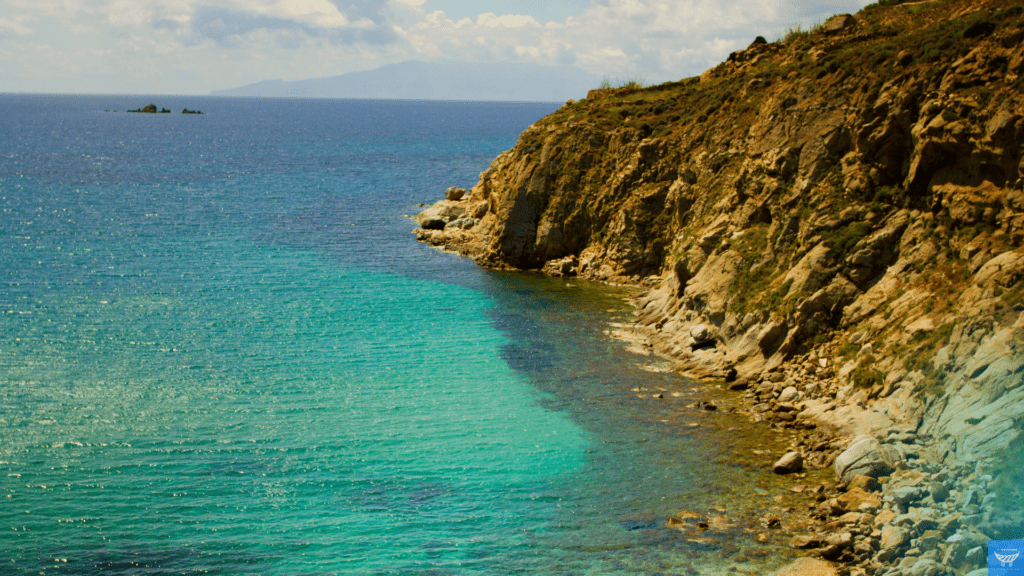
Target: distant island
{"x":151,"y":109}
{"x":414,"y":80}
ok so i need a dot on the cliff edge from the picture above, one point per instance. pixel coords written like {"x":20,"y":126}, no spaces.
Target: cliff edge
{"x":840,"y":213}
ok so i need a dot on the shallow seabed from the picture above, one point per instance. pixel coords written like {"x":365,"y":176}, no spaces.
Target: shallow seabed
{"x":222,"y":352}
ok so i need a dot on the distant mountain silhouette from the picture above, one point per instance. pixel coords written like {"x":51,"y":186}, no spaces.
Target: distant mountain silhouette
{"x":415,"y":80}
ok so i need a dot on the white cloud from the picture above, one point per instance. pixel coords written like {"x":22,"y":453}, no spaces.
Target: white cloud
{"x":492,"y":20}
{"x":652,"y":38}
{"x":318,"y":13}
{"x":201,"y":45}
{"x":9,"y":27}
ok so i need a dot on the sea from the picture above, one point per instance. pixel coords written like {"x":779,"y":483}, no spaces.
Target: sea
{"x":222,"y":351}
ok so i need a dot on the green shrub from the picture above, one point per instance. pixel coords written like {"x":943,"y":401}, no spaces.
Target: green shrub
{"x":632,"y":82}
{"x":849,"y":350}
{"x":843,"y":240}
{"x":773,"y":302}
{"x":865,"y":375}
{"x":799,"y":33}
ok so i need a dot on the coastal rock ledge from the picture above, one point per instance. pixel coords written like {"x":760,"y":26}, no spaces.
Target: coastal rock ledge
{"x":832,"y":222}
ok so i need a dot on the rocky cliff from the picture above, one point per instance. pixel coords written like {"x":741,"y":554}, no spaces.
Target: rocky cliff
{"x":832,"y":222}
{"x":840,"y":211}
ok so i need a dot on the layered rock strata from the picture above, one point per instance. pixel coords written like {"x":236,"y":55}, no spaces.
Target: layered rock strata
{"x":832,"y":222}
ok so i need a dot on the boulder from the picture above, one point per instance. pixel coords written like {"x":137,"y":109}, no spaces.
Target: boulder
{"x":454,"y":194}
{"x":853,"y":518}
{"x":463,"y":223}
{"x":904,"y":495}
{"x":837,"y":23}
{"x":865,"y":483}
{"x":430,"y":222}
{"x":921,"y":519}
{"x":863,"y":457}
{"x":739,"y":385}
{"x":894,"y":538}
{"x":480,"y":209}
{"x":926,"y":567}
{"x":835,"y":544}
{"x":702,"y":333}
{"x":857,"y":500}
{"x":440,"y":214}
{"x":562,"y":267}
{"x":788,"y":464}
{"x":929,"y":540}
{"x":1003,"y":270}
{"x":790,"y":394}
{"x":951,"y":523}
{"x":805,"y":541}
{"x":975,"y":556}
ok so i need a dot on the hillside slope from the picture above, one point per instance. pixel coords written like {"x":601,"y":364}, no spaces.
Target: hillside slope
{"x":414,"y":80}
{"x":841,"y":212}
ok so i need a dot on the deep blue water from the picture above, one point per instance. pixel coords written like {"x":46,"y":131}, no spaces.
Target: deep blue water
{"x":222,"y":352}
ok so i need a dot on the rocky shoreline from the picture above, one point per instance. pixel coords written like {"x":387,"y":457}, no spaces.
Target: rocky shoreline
{"x":893,"y":509}
{"x":830,"y":225}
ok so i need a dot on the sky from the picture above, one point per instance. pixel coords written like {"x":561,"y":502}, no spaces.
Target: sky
{"x":197,"y":46}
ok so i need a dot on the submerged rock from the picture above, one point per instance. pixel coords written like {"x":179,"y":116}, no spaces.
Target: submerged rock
{"x":808,"y":567}
{"x":788,"y":464}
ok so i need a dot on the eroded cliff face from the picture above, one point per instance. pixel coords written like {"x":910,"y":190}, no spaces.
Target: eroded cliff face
{"x":842,"y":212}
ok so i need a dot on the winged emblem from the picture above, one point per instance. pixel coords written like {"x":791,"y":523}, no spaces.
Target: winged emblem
{"x":1006,"y":559}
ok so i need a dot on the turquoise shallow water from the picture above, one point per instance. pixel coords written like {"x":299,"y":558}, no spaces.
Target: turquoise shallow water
{"x":221,"y":352}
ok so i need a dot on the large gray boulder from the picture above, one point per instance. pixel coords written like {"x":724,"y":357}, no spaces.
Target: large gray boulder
{"x":864,"y":457}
